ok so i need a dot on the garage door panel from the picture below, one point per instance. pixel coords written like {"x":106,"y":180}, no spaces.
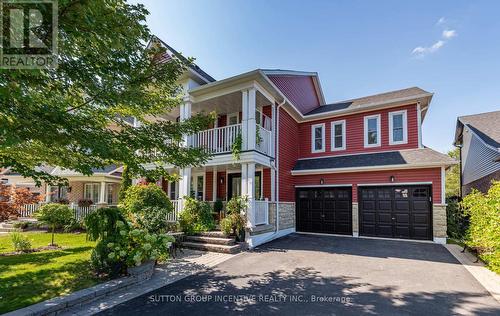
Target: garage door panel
{"x":324,"y":210}
{"x":396,"y":211}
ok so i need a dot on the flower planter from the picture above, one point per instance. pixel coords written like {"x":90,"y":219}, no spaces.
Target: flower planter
{"x":142,"y":272}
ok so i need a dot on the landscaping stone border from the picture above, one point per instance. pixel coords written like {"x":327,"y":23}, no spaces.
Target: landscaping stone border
{"x":57,"y":305}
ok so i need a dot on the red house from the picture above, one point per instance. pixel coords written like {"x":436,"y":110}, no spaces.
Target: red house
{"x":356,"y":167}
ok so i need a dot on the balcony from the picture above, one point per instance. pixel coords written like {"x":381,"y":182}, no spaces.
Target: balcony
{"x":220,"y":140}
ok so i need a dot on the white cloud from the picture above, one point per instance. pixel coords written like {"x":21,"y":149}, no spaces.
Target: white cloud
{"x":422,"y":51}
{"x":441,"y":21}
{"x":447,"y":34}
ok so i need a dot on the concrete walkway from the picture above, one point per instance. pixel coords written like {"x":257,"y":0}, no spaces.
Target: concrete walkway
{"x":189,"y":262}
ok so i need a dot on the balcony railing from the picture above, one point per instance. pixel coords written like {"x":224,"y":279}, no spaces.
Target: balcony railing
{"x":217,"y":140}
{"x":221,"y":139}
{"x":174,"y":216}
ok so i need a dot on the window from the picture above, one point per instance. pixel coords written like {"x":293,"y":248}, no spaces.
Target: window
{"x":58,"y":193}
{"x":258,"y":117}
{"x":401,"y":193}
{"x":338,"y":135}
{"x":197,"y":187}
{"x":109,"y":193}
{"x":91,"y":191}
{"x":372,"y":130}
{"x":398,"y":133}
{"x":318,"y":138}
{"x":173,"y":187}
{"x":258,"y":185}
{"x":233,"y":118}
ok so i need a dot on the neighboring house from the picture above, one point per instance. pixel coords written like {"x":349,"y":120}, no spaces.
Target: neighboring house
{"x":101,"y":187}
{"x":356,"y":167}
{"x":478,"y":137}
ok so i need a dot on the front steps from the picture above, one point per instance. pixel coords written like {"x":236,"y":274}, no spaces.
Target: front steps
{"x":214,"y":241}
{"x":7,"y":227}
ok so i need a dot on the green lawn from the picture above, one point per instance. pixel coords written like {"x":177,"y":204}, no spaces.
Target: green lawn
{"x":34,"y":277}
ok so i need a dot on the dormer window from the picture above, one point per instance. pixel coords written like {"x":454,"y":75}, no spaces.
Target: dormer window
{"x":398,"y":130}
{"x":318,"y":138}
{"x":372,"y":131}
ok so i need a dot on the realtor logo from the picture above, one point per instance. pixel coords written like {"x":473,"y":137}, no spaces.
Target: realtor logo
{"x":28,"y":33}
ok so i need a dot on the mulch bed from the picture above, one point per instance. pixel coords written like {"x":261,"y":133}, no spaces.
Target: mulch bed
{"x":39,"y":249}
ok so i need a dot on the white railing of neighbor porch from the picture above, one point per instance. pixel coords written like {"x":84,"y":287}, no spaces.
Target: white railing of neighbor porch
{"x":217,"y":140}
{"x":81,"y":211}
{"x":261,"y":212}
{"x":264,"y":146}
{"x":174,"y":216}
{"x":28,"y":209}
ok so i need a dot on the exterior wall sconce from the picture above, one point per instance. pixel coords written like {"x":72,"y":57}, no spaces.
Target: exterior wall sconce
{"x":69,"y":189}
{"x":392,"y":178}
{"x":322,"y":181}
{"x":221,"y":180}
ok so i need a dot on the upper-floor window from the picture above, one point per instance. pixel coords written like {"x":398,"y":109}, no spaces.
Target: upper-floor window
{"x":398,"y":131}
{"x":233,"y":118}
{"x":372,"y":130}
{"x":338,"y":135}
{"x":318,"y":138}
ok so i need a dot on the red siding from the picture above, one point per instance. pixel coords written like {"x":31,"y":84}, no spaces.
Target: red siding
{"x":267,"y":110}
{"x":288,"y":154}
{"x":412,"y":175}
{"x":221,"y":188}
{"x":298,"y":89}
{"x":209,"y":175}
{"x":355,"y":131}
{"x":266,"y":182}
{"x":222,"y":121}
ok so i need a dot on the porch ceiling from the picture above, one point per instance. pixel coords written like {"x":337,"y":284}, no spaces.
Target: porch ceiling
{"x":228,"y":103}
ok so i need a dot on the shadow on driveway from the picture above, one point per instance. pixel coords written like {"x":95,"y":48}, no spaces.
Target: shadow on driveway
{"x":316,"y":275}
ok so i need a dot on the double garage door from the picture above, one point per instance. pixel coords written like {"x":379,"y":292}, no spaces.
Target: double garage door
{"x":385,"y":211}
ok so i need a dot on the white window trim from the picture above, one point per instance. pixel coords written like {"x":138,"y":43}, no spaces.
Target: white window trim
{"x":405,"y":128}
{"x":237,"y":114}
{"x":333,"y":148}
{"x":313,"y":127}
{"x":366,"y":118}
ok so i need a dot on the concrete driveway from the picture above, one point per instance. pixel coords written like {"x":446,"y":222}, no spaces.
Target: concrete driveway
{"x":313,"y":275}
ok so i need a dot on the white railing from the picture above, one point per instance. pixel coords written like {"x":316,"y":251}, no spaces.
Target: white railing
{"x":28,"y":209}
{"x":81,"y":212}
{"x":264,"y":143}
{"x":217,"y":140}
{"x":174,"y":216}
{"x":261,"y":212}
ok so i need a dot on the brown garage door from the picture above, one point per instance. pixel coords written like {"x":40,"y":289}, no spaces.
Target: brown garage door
{"x":324,"y":210}
{"x":396,"y":211}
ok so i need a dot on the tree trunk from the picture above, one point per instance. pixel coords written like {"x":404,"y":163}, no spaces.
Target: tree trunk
{"x":53,"y":228}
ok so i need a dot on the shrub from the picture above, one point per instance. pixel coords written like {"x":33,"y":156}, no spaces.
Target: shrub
{"x":104,"y":222}
{"x":100,"y":261}
{"x":237,"y":205}
{"x":20,"y":242}
{"x":74,"y":225}
{"x":483,"y":233}
{"x":55,"y":215}
{"x":153,"y":219}
{"x":196,"y":217}
{"x":457,"y":221}
{"x":125,"y":184}
{"x":234,"y":224}
{"x":218,"y":206}
{"x":142,"y":196}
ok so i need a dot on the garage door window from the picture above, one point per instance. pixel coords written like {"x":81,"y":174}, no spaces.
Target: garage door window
{"x":420,"y":192}
{"x":384,"y":194}
{"x":401,"y":193}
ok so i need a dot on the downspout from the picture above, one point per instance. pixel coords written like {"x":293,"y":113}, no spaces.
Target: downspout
{"x":277,"y":164}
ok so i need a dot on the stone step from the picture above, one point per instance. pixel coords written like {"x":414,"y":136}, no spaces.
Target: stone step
{"x":212,"y":247}
{"x":6,"y":225}
{"x":7,"y":230}
{"x":210,"y":240}
{"x":213,"y":233}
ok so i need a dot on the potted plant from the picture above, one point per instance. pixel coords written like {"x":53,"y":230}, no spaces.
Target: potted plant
{"x":235,"y":220}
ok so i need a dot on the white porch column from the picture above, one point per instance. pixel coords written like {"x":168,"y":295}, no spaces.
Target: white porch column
{"x":102,"y":194}
{"x":244,"y":175}
{"x":47,"y":192}
{"x":273,"y":183}
{"x":250,"y":192}
{"x":214,"y":184}
{"x":251,"y":119}
{"x":244,"y":120}
{"x":185,"y":114}
{"x":185,"y":183}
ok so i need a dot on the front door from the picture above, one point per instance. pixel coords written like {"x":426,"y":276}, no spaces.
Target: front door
{"x":234,"y":185}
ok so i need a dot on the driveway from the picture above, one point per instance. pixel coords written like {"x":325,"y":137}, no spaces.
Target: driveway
{"x":328,"y":275}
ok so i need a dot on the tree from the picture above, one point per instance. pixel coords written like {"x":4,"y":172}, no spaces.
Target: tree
{"x":453,"y":175}
{"x":55,"y":215}
{"x":12,"y":199}
{"x":126,"y":183}
{"x":74,"y":116}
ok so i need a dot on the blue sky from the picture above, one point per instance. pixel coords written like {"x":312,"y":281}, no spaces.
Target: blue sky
{"x":451,"y":48}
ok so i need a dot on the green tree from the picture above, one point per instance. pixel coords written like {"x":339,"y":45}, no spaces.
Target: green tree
{"x":54,"y":215}
{"x":126,"y":183}
{"x":453,"y":175}
{"x":74,"y":116}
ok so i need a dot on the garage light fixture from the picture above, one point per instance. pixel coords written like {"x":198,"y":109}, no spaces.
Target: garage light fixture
{"x":392,"y":178}
{"x":321,"y":181}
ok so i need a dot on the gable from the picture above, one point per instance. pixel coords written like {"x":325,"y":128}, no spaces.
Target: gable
{"x":299,"y":89}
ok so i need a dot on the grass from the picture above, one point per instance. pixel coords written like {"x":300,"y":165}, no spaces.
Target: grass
{"x":30,"y":278}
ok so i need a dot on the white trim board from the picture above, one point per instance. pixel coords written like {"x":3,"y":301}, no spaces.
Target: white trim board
{"x":367,"y":168}
{"x":323,"y":185}
{"x":392,"y":184}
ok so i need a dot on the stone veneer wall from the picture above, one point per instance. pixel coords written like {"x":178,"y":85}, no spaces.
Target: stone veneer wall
{"x":287,"y":218}
{"x":439,"y":220}
{"x":355,"y":219}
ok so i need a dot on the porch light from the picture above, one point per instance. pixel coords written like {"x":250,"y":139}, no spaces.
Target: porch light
{"x":392,"y":178}
{"x":69,"y":189}
{"x":221,"y":180}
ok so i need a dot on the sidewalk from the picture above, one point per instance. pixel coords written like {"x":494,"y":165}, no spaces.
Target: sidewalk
{"x":188,"y":263}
